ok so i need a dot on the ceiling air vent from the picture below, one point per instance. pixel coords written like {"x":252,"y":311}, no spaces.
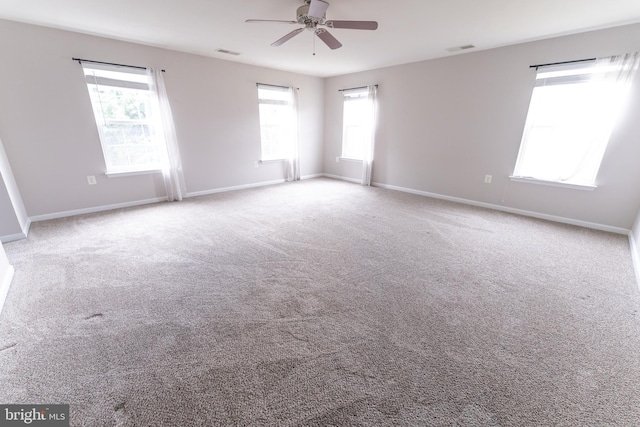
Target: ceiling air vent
{"x":458,"y":48}
{"x":228,"y":52}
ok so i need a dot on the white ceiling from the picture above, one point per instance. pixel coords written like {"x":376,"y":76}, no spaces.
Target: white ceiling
{"x":409,"y":30}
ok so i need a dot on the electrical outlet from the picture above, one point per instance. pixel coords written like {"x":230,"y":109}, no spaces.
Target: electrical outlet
{"x":337,"y":159}
{"x":487,"y":179}
{"x":91,"y":180}
{"x":256,"y":164}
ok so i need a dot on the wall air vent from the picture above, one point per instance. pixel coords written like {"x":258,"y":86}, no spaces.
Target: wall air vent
{"x":228,"y":52}
{"x":458,"y":48}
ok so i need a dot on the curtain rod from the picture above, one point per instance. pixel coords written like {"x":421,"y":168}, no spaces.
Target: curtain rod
{"x":284,"y":87}
{"x":561,"y":63}
{"x":354,"y":88}
{"x":80,"y":61}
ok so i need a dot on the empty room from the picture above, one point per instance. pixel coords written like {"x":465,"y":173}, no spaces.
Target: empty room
{"x":319,"y":213}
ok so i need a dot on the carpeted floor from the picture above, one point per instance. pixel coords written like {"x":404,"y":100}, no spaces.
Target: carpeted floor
{"x":322,"y":303}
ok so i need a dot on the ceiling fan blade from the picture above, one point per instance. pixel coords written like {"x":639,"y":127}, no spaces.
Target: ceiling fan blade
{"x":353,"y":25}
{"x":317,"y":8}
{"x":287,"y":37}
{"x":252,"y":21}
{"x":329,"y":40}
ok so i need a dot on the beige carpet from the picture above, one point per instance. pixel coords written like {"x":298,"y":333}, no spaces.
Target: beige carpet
{"x":322,"y":303}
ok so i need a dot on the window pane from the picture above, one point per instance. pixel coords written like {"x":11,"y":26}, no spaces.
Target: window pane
{"x":129,"y":136}
{"x":130,"y":144}
{"x":131,"y":75}
{"x":278,"y":94}
{"x":570,"y":117}
{"x":278,"y":123}
{"x":120,"y":103}
{"x":357,"y":127}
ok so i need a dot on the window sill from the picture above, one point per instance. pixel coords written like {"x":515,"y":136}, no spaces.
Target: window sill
{"x":272,"y":161}
{"x":131,"y":173}
{"x":583,"y":187}
{"x":347,"y":159}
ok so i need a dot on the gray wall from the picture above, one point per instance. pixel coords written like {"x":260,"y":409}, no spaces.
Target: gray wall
{"x":4,"y":263}
{"x":445,"y":123}
{"x":51,"y":140}
{"x":14,"y":221}
{"x":635,"y":248}
{"x":6,"y":274}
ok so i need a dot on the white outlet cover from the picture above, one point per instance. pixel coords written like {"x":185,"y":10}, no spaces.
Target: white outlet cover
{"x":91,"y":180}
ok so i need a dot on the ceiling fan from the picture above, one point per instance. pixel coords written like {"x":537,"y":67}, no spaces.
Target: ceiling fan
{"x":312,"y":16}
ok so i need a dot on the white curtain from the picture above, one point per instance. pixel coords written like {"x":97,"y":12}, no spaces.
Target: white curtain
{"x":610,"y":81}
{"x":367,"y":159}
{"x":293,"y":162}
{"x":172,"y":172}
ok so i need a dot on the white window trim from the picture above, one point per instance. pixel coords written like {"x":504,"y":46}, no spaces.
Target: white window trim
{"x":351,"y":95}
{"x":349,"y":159}
{"x":268,"y":101}
{"x":584,"y":187}
{"x":121,"y":83}
{"x":622,"y":68}
{"x":272,"y":161}
{"x":132,"y":173}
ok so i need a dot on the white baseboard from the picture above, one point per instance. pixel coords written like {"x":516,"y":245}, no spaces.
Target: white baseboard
{"x":635,"y":250}
{"x":564,"y":220}
{"x":103,"y":208}
{"x":96,"y":209}
{"x":635,"y":256}
{"x":315,"y":175}
{"x":343,"y":178}
{"x":18,"y":236}
{"x":12,"y":237}
{"x":5,"y":283}
{"x":234,"y":188}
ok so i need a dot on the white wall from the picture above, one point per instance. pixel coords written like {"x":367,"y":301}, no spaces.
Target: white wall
{"x":445,"y":123}
{"x":51,"y":139}
{"x":634,"y":239}
{"x":4,"y":263}
{"x":14,"y":222}
{"x":6,"y":274}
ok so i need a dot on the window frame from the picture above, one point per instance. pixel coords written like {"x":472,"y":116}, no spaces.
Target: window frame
{"x":350,"y":98}
{"x":126,"y":78}
{"x":562,"y":75}
{"x":287,"y":124}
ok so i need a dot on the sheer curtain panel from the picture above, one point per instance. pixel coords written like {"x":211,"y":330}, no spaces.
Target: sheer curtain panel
{"x":172,"y":170}
{"x":293,"y":162}
{"x":367,"y":159}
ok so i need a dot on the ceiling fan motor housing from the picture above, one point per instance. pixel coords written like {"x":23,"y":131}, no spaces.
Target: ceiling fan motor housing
{"x":303,"y":18}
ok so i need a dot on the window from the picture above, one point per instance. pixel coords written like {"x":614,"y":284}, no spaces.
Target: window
{"x":357,"y":123}
{"x":571,"y":114}
{"x":126,"y":115}
{"x":278,"y":122}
